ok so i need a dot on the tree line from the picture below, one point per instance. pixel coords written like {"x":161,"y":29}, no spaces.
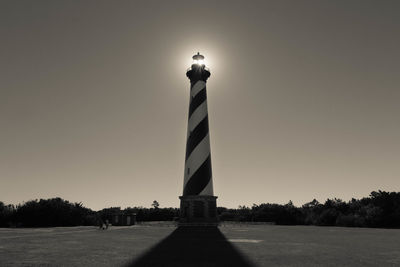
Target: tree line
{"x":59,"y":212}
{"x":379,"y":209}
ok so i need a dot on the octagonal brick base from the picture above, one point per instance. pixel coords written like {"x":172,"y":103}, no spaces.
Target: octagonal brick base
{"x":198,"y":211}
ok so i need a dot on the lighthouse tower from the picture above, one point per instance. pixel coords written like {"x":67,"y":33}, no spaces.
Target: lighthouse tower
{"x":198,"y":203}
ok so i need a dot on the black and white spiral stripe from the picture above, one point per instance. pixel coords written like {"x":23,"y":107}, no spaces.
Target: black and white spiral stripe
{"x":198,"y":174}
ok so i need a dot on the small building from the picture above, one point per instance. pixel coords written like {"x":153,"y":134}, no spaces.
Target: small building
{"x":121,"y":219}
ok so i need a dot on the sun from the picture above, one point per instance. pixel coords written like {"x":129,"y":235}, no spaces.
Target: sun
{"x":199,"y":61}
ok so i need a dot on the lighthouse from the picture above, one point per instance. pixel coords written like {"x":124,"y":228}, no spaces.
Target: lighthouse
{"x":198,"y":203}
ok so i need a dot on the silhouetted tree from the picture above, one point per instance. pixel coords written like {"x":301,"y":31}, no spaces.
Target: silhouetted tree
{"x":155,"y":204}
{"x":7,"y":212}
{"x":53,"y":212}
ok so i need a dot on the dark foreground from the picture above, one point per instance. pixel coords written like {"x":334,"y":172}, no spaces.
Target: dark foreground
{"x":230,"y":245}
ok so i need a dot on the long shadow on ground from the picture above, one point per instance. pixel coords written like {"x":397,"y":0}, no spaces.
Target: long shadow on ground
{"x":189,"y":246}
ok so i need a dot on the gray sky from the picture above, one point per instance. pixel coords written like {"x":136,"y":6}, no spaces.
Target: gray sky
{"x":303,"y":99}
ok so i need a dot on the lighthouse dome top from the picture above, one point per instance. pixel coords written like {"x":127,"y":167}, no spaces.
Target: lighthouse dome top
{"x":198,"y":59}
{"x":198,"y":56}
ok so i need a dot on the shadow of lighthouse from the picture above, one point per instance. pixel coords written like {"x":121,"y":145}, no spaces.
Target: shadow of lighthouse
{"x":190,"y":246}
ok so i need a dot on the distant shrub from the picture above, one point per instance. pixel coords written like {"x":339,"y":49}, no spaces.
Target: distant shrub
{"x":53,"y":212}
{"x":6,"y":214}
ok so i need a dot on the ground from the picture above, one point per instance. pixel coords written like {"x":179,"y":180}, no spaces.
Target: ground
{"x":229,"y":245}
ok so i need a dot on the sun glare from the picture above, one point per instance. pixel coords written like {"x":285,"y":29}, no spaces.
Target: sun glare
{"x":199,"y":62}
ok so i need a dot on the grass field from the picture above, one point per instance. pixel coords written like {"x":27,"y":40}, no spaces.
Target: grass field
{"x":230,"y":245}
